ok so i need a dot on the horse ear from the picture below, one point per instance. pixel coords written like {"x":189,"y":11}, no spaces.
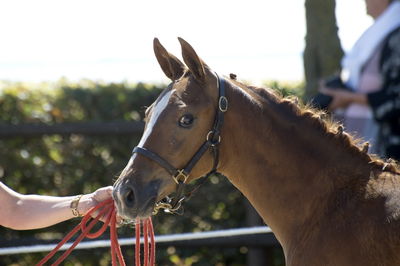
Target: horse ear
{"x":192,"y":60}
{"x":172,"y":67}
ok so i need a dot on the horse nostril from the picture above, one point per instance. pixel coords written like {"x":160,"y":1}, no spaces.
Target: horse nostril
{"x":129,"y":198}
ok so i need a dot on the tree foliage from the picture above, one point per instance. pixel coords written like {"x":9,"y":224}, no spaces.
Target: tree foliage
{"x":73,"y":164}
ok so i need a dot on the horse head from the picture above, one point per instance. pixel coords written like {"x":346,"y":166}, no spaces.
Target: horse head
{"x":177,"y":129}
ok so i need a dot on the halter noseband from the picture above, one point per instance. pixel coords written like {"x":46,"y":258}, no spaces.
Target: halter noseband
{"x":180,"y":176}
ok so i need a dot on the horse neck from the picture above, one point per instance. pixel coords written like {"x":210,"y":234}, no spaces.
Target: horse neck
{"x":286,"y":169}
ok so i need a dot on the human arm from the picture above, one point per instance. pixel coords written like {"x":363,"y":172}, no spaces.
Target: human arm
{"x":24,"y":212}
{"x":342,"y":98}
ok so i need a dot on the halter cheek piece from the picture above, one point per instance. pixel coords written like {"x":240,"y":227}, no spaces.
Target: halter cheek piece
{"x":180,"y":176}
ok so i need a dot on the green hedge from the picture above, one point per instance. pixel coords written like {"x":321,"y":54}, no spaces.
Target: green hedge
{"x":74,"y":164}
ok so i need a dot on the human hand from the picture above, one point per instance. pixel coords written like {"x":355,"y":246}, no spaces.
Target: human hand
{"x":340,"y":98}
{"x":88,"y":201}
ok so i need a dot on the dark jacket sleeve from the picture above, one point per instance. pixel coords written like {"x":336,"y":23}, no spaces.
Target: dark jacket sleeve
{"x":385,"y":103}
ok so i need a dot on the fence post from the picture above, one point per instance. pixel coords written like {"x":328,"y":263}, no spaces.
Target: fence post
{"x":256,"y":256}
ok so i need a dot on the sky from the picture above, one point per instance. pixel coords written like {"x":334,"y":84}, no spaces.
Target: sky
{"x":111,"y":41}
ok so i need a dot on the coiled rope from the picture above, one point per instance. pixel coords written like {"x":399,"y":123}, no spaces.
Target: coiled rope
{"x":107,"y":210}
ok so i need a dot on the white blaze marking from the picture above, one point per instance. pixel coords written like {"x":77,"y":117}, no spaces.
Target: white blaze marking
{"x":157,"y":110}
{"x":129,"y":163}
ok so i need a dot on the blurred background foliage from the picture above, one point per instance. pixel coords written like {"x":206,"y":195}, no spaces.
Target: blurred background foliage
{"x":65,"y":165}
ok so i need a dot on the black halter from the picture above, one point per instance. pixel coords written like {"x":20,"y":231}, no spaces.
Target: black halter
{"x":212,"y":141}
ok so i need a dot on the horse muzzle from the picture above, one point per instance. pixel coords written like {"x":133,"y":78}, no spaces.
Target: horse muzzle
{"x":135,"y":200}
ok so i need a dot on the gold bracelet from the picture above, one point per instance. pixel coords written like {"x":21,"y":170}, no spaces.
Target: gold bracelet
{"x":74,"y":206}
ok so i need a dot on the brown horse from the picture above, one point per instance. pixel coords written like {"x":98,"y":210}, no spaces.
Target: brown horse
{"x":327,"y":201}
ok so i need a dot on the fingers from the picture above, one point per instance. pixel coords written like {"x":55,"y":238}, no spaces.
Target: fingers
{"x":103,"y":193}
{"x":119,"y":221}
{"x":89,"y":201}
{"x":326,"y":91}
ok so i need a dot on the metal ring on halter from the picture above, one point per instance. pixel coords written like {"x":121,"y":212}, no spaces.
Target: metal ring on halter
{"x":161,"y":205}
{"x":167,"y":207}
{"x":213,"y":142}
{"x":223,"y":104}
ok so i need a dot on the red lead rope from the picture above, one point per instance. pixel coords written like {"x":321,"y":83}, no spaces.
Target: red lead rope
{"x":107,"y":209}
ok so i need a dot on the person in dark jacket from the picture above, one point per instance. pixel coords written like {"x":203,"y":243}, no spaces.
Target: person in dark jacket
{"x":370,"y":103}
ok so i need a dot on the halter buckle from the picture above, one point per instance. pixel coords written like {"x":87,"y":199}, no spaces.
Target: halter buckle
{"x":180,"y":177}
{"x":210,"y":136}
{"x":223,"y":104}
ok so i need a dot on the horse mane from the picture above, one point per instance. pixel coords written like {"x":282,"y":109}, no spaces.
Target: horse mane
{"x":322,"y":121}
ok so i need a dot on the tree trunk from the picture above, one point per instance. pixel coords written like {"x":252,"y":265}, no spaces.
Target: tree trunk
{"x":323,"y":50}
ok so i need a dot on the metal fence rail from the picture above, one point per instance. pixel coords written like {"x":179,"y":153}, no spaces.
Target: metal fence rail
{"x":254,"y":237}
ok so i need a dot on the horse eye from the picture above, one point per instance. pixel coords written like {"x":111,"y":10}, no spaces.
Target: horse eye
{"x":186,"y":120}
